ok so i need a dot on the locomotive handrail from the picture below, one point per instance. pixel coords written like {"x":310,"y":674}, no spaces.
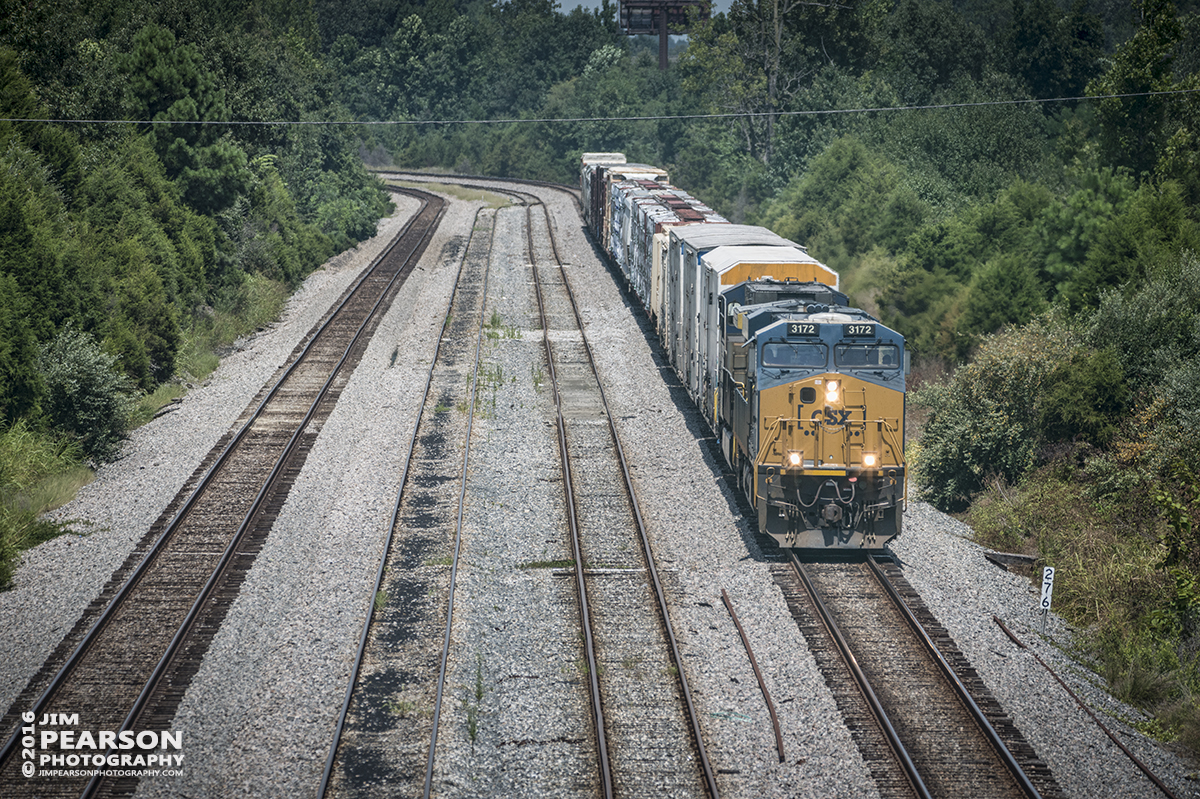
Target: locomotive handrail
{"x":773,"y":431}
{"x":890,"y":432}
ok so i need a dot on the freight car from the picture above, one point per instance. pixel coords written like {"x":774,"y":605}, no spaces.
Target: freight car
{"x":805,"y":393}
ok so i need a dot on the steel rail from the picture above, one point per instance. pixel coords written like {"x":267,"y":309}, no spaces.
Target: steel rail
{"x":1158,"y":783}
{"x":356,"y":669}
{"x":985,"y":727}
{"x":585,"y":615}
{"x":762,"y":684}
{"x":202,"y":485}
{"x":462,"y":494}
{"x":697,"y":736}
{"x":267,"y":487}
{"x":459,"y":180}
{"x":677,"y":658}
{"x":872,"y":700}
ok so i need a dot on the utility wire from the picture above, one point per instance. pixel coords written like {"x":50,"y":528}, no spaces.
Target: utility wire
{"x":649,"y":118}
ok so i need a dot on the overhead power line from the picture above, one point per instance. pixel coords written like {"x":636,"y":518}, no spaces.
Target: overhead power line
{"x":647,"y":118}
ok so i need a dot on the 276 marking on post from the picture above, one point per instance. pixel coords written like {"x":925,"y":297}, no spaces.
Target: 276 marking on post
{"x":1047,"y":587}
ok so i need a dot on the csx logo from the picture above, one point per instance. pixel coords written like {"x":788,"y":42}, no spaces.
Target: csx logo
{"x":830,"y":417}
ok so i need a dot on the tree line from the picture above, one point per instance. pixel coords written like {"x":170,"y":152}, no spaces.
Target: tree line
{"x":1012,"y":184}
{"x":136,"y":245}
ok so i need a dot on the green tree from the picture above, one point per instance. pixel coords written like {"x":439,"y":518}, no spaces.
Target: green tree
{"x":850,"y":200}
{"x":1071,"y":227}
{"x":1056,"y":52}
{"x":57,"y":148}
{"x":926,"y":47}
{"x":1147,"y":235}
{"x":760,"y":57}
{"x":1137,"y":129}
{"x":1005,"y":291}
{"x":167,"y":83}
{"x":20,"y":384}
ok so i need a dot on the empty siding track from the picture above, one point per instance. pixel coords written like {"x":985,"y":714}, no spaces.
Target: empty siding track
{"x":129,"y":660}
{"x":905,"y":691}
{"x":387,"y":732}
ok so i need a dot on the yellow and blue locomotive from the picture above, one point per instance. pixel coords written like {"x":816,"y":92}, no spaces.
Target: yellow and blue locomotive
{"x":805,"y":392}
{"x":815,"y":421}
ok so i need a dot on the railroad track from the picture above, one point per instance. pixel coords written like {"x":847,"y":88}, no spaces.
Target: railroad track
{"x":129,"y":660}
{"x":386,"y":735}
{"x":916,"y":720}
{"x":577,"y":401}
{"x":622,"y":720}
{"x":647,"y":724}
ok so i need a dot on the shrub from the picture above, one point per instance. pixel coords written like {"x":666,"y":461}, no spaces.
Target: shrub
{"x":1154,"y":333}
{"x":1085,"y":399}
{"x":86,"y":395}
{"x":983,"y":422}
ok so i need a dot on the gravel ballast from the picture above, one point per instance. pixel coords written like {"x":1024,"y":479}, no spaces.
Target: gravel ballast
{"x":258,"y":716}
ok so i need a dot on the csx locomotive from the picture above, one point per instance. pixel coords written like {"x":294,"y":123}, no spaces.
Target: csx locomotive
{"x":805,"y":393}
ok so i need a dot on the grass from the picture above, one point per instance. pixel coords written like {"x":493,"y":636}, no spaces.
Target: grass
{"x":1138,"y":621}
{"x":253,"y":305}
{"x":401,"y":707}
{"x":39,"y":472}
{"x":149,"y":404}
{"x":491,"y":378}
{"x":496,"y":329}
{"x":460,"y":192}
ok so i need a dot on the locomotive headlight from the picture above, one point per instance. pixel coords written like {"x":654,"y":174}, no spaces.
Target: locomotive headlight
{"x":794,"y":458}
{"x":870,"y":460}
{"x":832,"y":389}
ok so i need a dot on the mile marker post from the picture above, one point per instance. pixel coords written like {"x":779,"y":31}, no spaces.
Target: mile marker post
{"x":1047,"y":593}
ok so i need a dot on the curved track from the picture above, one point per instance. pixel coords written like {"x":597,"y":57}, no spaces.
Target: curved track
{"x":129,"y":660}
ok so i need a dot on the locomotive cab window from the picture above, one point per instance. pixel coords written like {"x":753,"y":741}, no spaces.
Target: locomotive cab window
{"x":794,"y":355}
{"x":868,"y":356}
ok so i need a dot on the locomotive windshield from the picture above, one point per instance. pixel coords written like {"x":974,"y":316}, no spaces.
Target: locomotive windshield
{"x":794,"y":354}
{"x":867,"y":356}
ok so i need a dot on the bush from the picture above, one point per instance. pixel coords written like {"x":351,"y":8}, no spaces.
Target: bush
{"x":1085,"y":399}
{"x":86,"y":395}
{"x":1112,"y":581}
{"x":984,"y":421}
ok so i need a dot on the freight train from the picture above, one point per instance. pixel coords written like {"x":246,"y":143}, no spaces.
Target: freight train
{"x":805,"y":393}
